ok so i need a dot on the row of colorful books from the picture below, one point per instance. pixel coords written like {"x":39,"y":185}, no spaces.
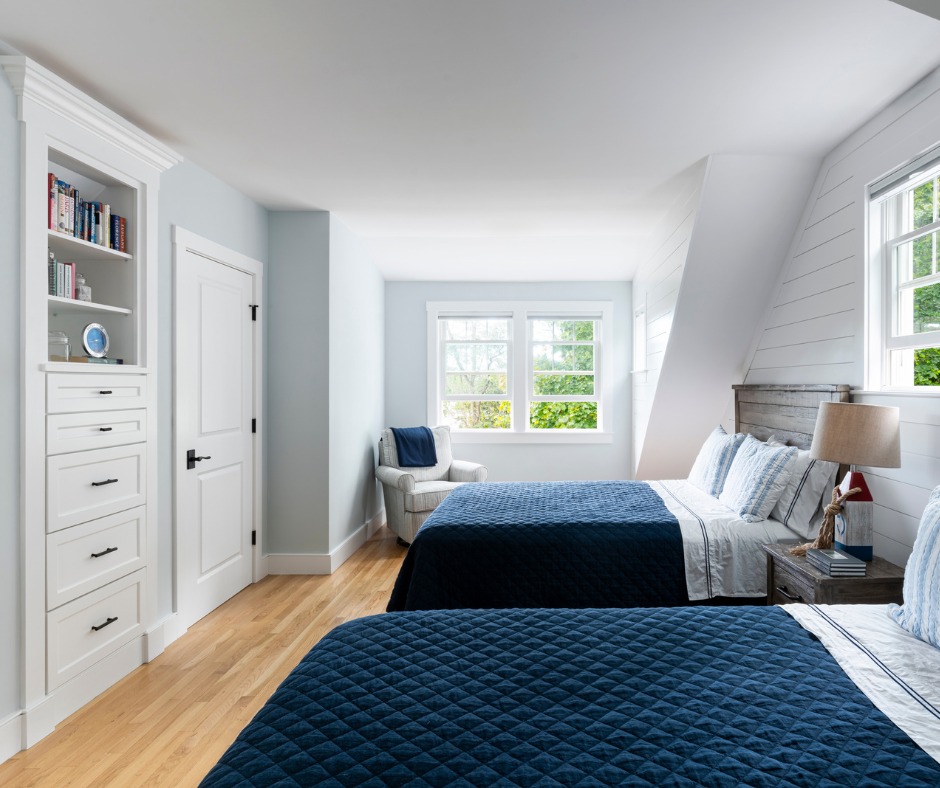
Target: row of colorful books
{"x":89,"y":220}
{"x":836,"y":563}
{"x":61,"y":278}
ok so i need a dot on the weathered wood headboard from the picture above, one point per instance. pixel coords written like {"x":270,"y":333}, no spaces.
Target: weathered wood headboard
{"x":789,"y":412}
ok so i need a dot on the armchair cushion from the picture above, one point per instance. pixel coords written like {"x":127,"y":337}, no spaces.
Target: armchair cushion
{"x":427,"y":495}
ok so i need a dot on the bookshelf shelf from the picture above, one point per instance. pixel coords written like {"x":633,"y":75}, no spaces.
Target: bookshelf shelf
{"x":71,"y":306}
{"x":83,"y":251}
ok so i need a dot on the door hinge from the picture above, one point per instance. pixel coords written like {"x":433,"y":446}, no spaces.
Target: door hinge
{"x":254,"y":425}
{"x":254,"y":537}
{"x":254,"y":311}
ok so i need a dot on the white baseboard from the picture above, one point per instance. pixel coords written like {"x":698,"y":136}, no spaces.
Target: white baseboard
{"x":11,"y":735}
{"x":90,"y":683}
{"x":324,"y":563}
{"x":159,"y":636}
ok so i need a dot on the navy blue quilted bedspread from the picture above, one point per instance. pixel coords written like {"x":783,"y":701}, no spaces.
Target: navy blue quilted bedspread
{"x":545,"y":544}
{"x":668,"y":697}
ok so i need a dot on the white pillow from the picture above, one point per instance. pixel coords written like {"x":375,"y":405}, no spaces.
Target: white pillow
{"x":810,"y":481}
{"x":758,"y":476}
{"x":920,"y":613}
{"x":714,"y":460}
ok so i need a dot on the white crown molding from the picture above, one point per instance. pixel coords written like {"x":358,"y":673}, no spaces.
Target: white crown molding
{"x":32,"y":82}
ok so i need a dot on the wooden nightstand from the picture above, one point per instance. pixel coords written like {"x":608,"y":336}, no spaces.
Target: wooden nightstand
{"x":791,"y":579}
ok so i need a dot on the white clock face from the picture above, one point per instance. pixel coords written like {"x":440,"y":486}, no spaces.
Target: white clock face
{"x":95,"y":340}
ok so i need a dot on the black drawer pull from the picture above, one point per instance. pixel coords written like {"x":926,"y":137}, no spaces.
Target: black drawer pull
{"x":783,"y":590}
{"x":110,"y":620}
{"x":102,"y":484}
{"x":104,"y":552}
{"x":105,"y":429}
{"x":106,"y":391}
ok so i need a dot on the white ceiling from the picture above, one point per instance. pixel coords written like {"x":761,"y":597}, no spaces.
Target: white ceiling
{"x":482,"y":139}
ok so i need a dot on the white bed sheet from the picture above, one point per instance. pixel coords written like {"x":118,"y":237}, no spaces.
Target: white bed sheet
{"x":899,"y":673}
{"x":722,"y":551}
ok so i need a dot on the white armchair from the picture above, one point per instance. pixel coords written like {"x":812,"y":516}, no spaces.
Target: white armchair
{"x":411,"y":494}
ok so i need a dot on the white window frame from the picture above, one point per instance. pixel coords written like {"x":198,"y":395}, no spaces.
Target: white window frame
{"x":520,"y":368}
{"x":886,"y":215}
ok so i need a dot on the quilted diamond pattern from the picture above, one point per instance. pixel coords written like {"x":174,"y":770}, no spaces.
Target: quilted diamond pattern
{"x":545,"y":544}
{"x":666,"y":697}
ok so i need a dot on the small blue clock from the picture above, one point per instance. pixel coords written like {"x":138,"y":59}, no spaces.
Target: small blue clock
{"x":95,"y":340}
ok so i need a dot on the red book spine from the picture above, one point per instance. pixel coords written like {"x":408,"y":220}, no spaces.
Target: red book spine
{"x":123,"y":234}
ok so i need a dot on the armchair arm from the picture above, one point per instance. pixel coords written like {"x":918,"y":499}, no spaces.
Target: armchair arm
{"x":464,"y":471}
{"x":394,"y":477}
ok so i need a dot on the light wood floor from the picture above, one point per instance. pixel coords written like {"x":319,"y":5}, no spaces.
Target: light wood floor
{"x":168,"y":722}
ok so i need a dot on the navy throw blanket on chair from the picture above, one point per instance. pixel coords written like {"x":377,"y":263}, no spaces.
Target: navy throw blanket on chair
{"x":415,"y":447}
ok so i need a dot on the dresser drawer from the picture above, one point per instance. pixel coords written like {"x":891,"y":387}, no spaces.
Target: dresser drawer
{"x":67,"y":393}
{"x":88,"y":629}
{"x":82,"y":558}
{"x":91,"y":484}
{"x":67,"y":432}
{"x":788,"y":587}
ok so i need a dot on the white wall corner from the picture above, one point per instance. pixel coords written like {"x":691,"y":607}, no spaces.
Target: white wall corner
{"x":159,"y":636}
{"x":324,"y":563}
{"x":38,"y":722}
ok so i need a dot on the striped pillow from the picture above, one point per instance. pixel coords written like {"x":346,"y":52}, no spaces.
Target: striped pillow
{"x":714,"y":460}
{"x":757,"y":478}
{"x":810,"y":482}
{"x":920,"y":613}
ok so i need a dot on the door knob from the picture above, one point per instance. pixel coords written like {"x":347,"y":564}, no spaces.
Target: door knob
{"x":192,"y":459}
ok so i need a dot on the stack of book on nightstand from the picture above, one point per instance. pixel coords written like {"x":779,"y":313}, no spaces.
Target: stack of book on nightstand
{"x":836,"y":563}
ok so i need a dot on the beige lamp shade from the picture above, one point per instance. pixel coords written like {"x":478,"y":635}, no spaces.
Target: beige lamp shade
{"x":855,"y":434}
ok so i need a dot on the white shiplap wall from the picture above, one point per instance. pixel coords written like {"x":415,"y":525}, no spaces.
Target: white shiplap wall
{"x":815,"y":331}
{"x":656,"y":286}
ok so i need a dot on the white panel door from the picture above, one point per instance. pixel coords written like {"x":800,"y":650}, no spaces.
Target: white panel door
{"x":214,"y":407}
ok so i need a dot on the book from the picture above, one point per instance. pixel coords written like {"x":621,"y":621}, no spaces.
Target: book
{"x":115,"y":231}
{"x":835,"y":562}
{"x":53,"y":201}
{"x":92,"y":360}
{"x":123,"y":245}
{"x":61,"y":206}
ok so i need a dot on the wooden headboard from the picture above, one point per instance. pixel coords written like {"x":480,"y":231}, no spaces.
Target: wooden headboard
{"x":789,"y":412}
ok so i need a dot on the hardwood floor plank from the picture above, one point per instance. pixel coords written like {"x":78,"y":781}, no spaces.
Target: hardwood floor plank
{"x":168,"y":722}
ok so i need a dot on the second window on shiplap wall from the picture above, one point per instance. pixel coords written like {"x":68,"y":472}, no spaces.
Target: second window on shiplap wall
{"x":904,"y":306}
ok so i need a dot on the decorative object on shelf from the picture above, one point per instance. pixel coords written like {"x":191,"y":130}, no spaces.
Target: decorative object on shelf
{"x":82,"y":289}
{"x":59,"y":348}
{"x":853,"y":434}
{"x":95,"y":340}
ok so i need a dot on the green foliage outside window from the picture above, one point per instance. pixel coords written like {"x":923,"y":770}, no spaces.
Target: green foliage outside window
{"x":478,"y":415}
{"x":926,"y":299}
{"x":563,"y":415}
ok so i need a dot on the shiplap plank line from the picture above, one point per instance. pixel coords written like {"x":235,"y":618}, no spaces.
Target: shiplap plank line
{"x":659,"y":326}
{"x":802,"y":331}
{"x":838,"y":299}
{"x":922,"y":409}
{"x":826,"y":351}
{"x":841,"y":222}
{"x":890,"y":549}
{"x":830,"y":202}
{"x":916,"y":469}
{"x":898,"y":496}
{"x":823,"y":279}
{"x":833,"y":251}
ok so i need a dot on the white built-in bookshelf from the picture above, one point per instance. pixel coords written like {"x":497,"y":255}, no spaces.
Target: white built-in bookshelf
{"x":89,"y":476}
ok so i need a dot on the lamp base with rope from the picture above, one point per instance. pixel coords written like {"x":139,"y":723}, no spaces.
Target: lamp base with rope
{"x":827,"y":530}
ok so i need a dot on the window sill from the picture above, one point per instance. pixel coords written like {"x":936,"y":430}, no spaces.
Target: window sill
{"x":531,"y":437}
{"x":932,"y":391}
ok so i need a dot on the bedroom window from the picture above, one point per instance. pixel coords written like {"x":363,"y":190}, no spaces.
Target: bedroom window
{"x":520,"y":371}
{"x":906,"y":216}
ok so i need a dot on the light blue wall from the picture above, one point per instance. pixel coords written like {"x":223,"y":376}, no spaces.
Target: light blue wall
{"x":357,"y":372}
{"x":297,"y":395}
{"x":201,"y":203}
{"x":406,"y":376}
{"x":10,"y":601}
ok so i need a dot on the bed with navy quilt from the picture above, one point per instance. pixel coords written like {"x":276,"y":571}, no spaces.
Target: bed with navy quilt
{"x":583,"y":544}
{"x":719,"y":696}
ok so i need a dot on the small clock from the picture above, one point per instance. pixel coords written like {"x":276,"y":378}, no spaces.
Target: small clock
{"x":95,"y":340}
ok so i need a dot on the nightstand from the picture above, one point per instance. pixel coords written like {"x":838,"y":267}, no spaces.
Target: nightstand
{"x":791,"y":579}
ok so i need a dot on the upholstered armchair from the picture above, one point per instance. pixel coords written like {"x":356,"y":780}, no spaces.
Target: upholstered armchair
{"x":411,"y":494}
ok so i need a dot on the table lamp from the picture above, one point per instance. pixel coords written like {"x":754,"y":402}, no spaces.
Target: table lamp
{"x":853,"y":434}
